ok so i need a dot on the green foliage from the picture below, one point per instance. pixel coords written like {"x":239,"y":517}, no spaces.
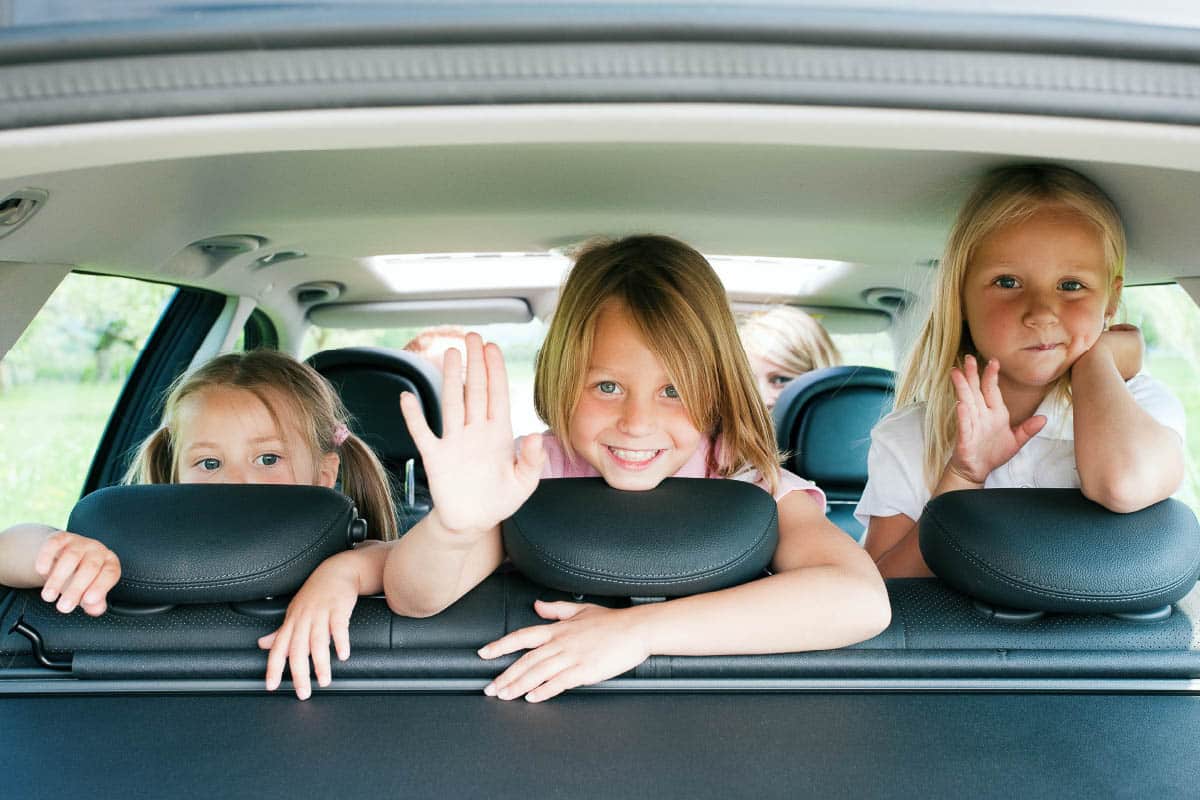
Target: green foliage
{"x":91,"y":329}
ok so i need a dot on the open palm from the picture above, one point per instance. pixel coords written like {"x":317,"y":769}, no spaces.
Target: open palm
{"x":986,"y":440}
{"x":475,"y":477}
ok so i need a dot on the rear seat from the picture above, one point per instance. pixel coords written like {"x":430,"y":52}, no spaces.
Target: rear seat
{"x":370,"y":380}
{"x":936,"y":632}
{"x":823,"y":422}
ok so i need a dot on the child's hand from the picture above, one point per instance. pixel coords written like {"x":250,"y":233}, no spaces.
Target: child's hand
{"x":1127,"y":347}
{"x":79,"y":572}
{"x":474,"y":476}
{"x":589,"y":644}
{"x":320,"y":611}
{"x":985,"y":439}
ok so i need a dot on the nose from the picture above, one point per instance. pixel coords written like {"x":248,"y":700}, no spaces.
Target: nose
{"x":232,"y":473}
{"x":1040,"y":311}
{"x":638,"y":416}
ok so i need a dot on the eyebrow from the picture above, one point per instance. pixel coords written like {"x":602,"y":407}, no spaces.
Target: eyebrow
{"x":258,"y":440}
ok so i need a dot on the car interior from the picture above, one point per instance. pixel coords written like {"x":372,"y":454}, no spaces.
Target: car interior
{"x":324,"y":215}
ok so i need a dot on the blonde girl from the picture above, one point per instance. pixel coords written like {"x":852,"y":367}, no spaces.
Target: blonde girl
{"x":253,"y":417}
{"x":1028,"y":285}
{"x":783,"y":344}
{"x":641,"y":377}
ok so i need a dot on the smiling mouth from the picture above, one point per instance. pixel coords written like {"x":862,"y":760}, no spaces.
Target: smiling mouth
{"x":633,"y":459}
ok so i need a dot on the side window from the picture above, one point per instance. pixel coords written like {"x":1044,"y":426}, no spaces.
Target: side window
{"x":1170,"y":323}
{"x":58,"y":385}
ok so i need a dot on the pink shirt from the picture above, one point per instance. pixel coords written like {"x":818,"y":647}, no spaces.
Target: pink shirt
{"x":559,"y":466}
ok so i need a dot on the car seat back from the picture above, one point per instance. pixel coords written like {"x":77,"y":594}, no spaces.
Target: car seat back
{"x":369,"y":381}
{"x":823,"y":421}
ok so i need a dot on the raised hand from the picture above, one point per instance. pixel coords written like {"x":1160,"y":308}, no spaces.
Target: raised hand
{"x":79,"y":572}
{"x":985,"y":438}
{"x":475,"y":477}
{"x":587,"y":644}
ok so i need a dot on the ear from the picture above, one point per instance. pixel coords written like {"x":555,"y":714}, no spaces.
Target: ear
{"x":327,"y":472}
{"x":1114,"y":298}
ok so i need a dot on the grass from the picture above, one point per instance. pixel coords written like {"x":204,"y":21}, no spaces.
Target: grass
{"x":48,"y":432}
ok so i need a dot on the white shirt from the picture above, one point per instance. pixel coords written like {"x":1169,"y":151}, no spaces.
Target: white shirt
{"x":895,"y":463}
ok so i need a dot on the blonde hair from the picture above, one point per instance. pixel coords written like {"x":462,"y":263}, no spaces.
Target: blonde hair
{"x":1005,"y":196}
{"x":790,"y":338}
{"x":311,"y":404}
{"x":681,"y":311}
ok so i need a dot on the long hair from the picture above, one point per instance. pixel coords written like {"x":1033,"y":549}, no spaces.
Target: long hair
{"x":290,"y":391}
{"x":1005,"y":196}
{"x":682,"y":313}
{"x":791,"y":338}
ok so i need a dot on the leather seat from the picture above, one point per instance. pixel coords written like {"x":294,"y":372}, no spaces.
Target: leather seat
{"x":823,"y":422}
{"x":369,"y":381}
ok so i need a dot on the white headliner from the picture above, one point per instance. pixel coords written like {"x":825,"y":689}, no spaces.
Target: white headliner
{"x":873,"y":187}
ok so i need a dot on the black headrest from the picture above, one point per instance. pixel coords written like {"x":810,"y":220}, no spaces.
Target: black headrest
{"x":686,"y":536}
{"x":369,"y":380}
{"x":1055,"y":550}
{"x":201,"y":543}
{"x":824,"y":420}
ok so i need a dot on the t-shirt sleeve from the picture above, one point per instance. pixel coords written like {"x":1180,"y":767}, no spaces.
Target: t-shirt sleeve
{"x":555,"y":465}
{"x":791,"y":482}
{"x":1159,"y":402}
{"x":895,"y":469}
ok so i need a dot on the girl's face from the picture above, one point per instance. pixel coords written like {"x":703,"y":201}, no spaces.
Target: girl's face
{"x":629,"y":423}
{"x":771,"y":378}
{"x":1036,"y":295}
{"x":227,"y":435}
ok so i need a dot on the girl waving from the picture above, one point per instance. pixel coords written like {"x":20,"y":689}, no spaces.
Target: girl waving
{"x":1017,"y":378}
{"x":641,"y":377}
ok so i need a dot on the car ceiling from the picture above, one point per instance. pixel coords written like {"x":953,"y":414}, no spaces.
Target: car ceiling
{"x":876,"y":188}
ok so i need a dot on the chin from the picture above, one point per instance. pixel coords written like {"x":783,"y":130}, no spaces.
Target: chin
{"x":633,"y":483}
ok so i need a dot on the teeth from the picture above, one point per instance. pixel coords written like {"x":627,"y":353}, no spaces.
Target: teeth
{"x":633,"y":455}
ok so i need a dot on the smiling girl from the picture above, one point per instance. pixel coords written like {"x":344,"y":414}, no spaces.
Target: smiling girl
{"x":641,"y":377}
{"x":1030,"y":280}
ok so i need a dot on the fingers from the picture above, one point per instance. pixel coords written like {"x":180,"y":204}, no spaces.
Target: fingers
{"x":298,"y":665}
{"x":532,"y":457}
{"x":319,"y":648}
{"x":990,"y":385}
{"x":558,"y":610}
{"x":971,"y":370}
{"x":528,"y":673}
{"x":280,"y":642}
{"x":1028,"y":429}
{"x":414,"y":420}
{"x":523,"y":639}
{"x":497,"y":383}
{"x":295,"y":643}
{"x":93,"y":602}
{"x":477,"y":381}
{"x":452,"y":392}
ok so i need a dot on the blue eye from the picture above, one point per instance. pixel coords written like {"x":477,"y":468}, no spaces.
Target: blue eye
{"x":1006,"y":282}
{"x":268,"y":459}
{"x":672,"y":392}
{"x":1071,"y":286}
{"x":210,"y":464}
{"x":780,"y":380}
{"x":607,"y":387}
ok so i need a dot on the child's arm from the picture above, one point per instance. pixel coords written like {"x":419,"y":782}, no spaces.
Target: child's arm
{"x":826,"y":593}
{"x":475,"y":479}
{"x":72,"y":570}
{"x":320,"y":612}
{"x":1126,"y":460}
{"x":985,"y":442}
